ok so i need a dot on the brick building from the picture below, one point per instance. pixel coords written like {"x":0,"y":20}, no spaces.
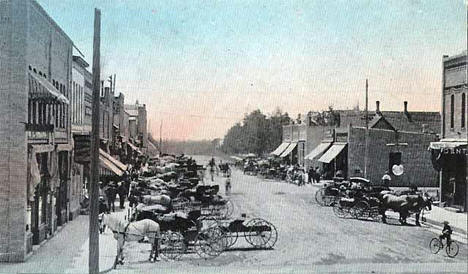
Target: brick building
{"x":35,"y":129}
{"x":449,"y":154}
{"x":137,"y":128}
{"x":324,"y":137}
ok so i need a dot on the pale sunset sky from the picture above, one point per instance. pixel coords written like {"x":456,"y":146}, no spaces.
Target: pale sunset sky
{"x":200,"y":65}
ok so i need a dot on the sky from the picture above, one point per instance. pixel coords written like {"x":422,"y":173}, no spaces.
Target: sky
{"x":201,"y":65}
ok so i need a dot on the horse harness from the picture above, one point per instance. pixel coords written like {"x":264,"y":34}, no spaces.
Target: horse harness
{"x":124,"y":233}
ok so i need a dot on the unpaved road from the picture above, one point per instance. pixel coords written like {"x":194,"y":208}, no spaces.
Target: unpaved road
{"x":313,"y":239}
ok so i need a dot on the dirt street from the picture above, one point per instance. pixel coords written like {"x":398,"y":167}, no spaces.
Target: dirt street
{"x":312,"y":238}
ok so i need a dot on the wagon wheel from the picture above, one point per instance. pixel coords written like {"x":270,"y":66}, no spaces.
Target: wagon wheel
{"x":226,"y":210}
{"x":338,"y":210}
{"x":172,"y":245}
{"x":210,"y":242}
{"x":262,"y":234}
{"x":230,"y":237}
{"x":319,"y":195}
{"x":360,"y":210}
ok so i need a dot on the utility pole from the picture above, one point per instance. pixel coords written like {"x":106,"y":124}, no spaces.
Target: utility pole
{"x":367,"y":130}
{"x":114,"y":83}
{"x":160,"y":139}
{"x":466,"y":115}
{"x":93,"y":259}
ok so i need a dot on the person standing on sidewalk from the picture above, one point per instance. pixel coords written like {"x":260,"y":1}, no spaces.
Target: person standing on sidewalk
{"x":111,"y":195}
{"x":123,"y":192}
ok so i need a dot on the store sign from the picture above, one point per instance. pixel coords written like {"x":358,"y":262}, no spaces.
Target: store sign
{"x":82,"y":149}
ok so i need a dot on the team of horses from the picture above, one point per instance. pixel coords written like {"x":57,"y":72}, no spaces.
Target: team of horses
{"x":404,"y":203}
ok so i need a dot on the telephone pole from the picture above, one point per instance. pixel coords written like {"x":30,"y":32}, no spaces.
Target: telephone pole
{"x":367,"y":130}
{"x":93,"y":259}
{"x":160,"y":139}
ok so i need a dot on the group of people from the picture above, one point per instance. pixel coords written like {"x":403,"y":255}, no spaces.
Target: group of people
{"x":108,"y":195}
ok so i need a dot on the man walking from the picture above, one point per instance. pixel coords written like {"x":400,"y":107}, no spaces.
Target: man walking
{"x":111,"y":195}
{"x":123,"y":192}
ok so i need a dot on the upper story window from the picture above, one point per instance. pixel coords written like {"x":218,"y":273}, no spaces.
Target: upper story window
{"x":452,"y":111}
{"x":463,"y":110}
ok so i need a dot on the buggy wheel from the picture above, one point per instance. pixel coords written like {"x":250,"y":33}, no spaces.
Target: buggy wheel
{"x":435,"y":245}
{"x":452,"y":249}
{"x":262,"y":234}
{"x":360,"y":210}
{"x":172,"y":245}
{"x":210,"y":242}
{"x":338,"y":210}
{"x":223,"y":211}
{"x":319,"y":197}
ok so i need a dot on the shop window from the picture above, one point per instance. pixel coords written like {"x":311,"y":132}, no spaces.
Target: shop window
{"x":452,"y":110}
{"x":463,"y":112}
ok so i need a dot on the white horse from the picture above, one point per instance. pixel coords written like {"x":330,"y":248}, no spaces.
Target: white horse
{"x":135,"y":231}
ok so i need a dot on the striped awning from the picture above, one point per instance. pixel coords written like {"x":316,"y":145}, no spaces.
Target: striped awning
{"x":111,"y":163}
{"x":133,"y":147}
{"x":321,"y":148}
{"x":332,"y":153}
{"x":280,"y":149}
{"x":40,"y":88}
{"x":288,"y":150}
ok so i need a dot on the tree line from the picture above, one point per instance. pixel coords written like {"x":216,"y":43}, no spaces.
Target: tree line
{"x":257,"y":133}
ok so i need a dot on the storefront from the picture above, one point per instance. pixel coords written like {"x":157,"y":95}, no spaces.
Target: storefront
{"x":335,"y":159}
{"x":449,"y":158}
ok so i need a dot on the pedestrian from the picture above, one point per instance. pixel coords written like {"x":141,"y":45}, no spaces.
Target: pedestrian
{"x":111,"y":195}
{"x":318,"y":174}
{"x":123,"y":192}
{"x":228,"y":185}
{"x":386,"y":179}
{"x":312,"y":175}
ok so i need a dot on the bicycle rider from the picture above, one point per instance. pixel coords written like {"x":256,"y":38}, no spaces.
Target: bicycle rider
{"x":446,"y":233}
{"x":212,"y":165}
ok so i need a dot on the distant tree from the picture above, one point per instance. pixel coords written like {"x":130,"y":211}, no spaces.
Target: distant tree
{"x":257,"y":133}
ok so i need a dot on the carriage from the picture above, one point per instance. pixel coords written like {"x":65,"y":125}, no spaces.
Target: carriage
{"x":360,"y":201}
{"x":258,"y":232}
{"x":330,"y":193}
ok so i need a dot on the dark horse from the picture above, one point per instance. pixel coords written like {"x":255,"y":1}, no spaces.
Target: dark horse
{"x":405,"y":205}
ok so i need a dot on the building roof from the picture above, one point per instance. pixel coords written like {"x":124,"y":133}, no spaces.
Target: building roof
{"x":80,"y":61}
{"x":411,"y":121}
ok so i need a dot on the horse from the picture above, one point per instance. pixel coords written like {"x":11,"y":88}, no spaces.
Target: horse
{"x":404,"y":205}
{"x":135,"y":231}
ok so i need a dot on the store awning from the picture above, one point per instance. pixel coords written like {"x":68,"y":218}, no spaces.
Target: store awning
{"x":111,"y":163}
{"x":133,"y":147}
{"x":321,"y":148}
{"x":448,"y":144}
{"x":331,"y":154}
{"x":280,"y":149}
{"x":288,"y":150}
{"x":40,"y":88}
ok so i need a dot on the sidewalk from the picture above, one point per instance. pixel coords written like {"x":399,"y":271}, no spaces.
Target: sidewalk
{"x":458,"y":221}
{"x":57,"y":254}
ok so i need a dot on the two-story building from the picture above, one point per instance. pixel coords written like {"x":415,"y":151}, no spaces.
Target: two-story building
{"x":35,"y":129}
{"x":450,"y":153}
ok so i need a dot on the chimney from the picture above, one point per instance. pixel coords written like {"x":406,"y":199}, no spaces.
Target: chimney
{"x":377,"y":106}
{"x":407,"y":114}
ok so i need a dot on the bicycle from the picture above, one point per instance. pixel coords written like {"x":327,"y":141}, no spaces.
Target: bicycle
{"x":437,"y":244}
